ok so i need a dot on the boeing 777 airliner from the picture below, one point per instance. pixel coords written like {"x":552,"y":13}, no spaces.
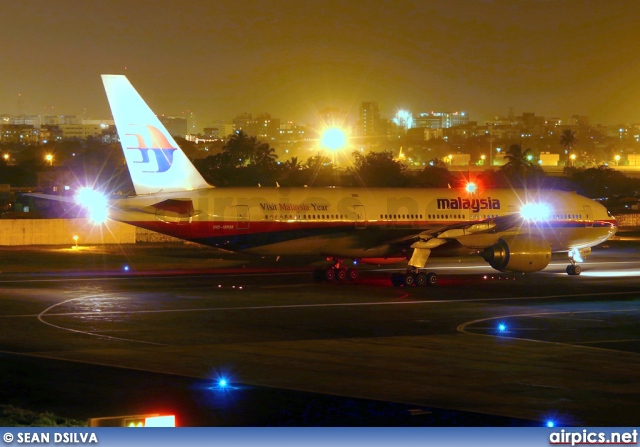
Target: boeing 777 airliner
{"x":513,"y":230}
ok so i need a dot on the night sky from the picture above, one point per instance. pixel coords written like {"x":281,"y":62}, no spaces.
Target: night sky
{"x":294,"y":58}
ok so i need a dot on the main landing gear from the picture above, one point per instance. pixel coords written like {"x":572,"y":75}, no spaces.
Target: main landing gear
{"x":337,"y":272}
{"x":414,"y":277}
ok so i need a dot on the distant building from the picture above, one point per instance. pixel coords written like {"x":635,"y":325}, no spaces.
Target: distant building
{"x":50,"y":133}
{"x":291,"y":132}
{"x":267,"y":128}
{"x":69,"y":119}
{"x":25,"y":120}
{"x":19,"y":133}
{"x":245,"y":122}
{"x":56,"y":180}
{"x":441,"y":120}
{"x":177,"y":126}
{"x":633,"y":159}
{"x":218,"y":131}
{"x":370,"y":124}
{"x":579,"y":120}
{"x":425,"y":133}
{"x":86,"y":129}
{"x":458,"y":159}
{"x":549,"y":159}
{"x":428,"y":121}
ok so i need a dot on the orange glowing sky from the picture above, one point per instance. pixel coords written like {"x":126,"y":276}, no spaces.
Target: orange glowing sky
{"x":293,"y":58}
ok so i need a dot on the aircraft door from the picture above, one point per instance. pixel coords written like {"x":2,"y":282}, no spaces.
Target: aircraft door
{"x":361,"y":217}
{"x":588,"y":216}
{"x":243,"y":217}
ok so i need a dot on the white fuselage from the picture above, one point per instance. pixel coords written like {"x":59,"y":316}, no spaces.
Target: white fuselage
{"x":352,"y":222}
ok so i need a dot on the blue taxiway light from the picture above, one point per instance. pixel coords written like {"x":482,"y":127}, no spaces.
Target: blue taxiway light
{"x":551,"y":424}
{"x":125,"y":268}
{"x":502,"y":327}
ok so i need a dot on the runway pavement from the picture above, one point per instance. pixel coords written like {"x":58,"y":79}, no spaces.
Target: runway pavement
{"x":568,"y":348}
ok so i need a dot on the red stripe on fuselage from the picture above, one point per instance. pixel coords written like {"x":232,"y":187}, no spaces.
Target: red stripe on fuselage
{"x":213,"y":229}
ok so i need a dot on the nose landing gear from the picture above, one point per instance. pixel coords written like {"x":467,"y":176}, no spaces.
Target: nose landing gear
{"x":573,"y":269}
{"x":576,"y":256}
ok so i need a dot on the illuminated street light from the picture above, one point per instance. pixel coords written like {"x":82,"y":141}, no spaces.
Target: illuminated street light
{"x":75,"y":238}
{"x":573,"y":159}
{"x":617,"y":157}
{"x":6,"y":157}
{"x":49,"y":158}
{"x":334,"y":139}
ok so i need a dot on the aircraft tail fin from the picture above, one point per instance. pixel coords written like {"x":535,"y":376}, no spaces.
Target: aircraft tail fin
{"x":155,"y":161}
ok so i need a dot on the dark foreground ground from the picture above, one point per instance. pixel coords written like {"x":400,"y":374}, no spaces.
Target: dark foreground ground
{"x":44,"y":385}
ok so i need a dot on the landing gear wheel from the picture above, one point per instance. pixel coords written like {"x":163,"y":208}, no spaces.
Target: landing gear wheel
{"x":421,"y":279}
{"x":341,"y":273}
{"x":409,"y":279}
{"x":574,"y":270}
{"x":397,"y":279}
{"x":330,"y":275}
{"x":352,"y":274}
{"x":432,"y":279}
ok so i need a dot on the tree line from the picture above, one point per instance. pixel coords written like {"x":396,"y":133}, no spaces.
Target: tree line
{"x":246,"y":161}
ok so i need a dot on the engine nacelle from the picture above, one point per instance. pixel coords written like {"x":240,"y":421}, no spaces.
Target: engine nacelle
{"x":519,"y":253}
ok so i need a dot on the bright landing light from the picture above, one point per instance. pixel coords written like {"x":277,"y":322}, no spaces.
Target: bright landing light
{"x":95,"y":203}
{"x":535,"y":211}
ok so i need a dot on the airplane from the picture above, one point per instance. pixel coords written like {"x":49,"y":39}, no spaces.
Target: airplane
{"x":513,"y":230}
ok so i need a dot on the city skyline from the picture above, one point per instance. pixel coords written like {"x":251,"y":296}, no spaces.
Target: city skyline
{"x":293,"y":59}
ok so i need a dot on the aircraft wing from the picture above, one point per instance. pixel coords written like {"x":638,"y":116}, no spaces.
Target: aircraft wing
{"x":472,"y":236}
{"x":466,"y":230}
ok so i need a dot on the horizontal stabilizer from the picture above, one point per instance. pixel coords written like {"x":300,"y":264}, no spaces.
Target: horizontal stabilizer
{"x":66,"y":199}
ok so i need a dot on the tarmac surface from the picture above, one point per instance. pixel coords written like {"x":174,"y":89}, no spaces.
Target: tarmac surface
{"x":109,"y":331}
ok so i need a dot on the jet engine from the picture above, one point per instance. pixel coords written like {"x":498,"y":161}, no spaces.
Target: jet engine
{"x":519,"y":253}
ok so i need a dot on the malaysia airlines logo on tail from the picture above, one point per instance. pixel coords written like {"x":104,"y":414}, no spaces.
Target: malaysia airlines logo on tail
{"x":160,"y":146}
{"x":141,"y":135}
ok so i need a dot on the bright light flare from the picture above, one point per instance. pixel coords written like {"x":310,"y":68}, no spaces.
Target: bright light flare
{"x":95,"y":203}
{"x":550,"y":424}
{"x":471,"y":187}
{"x":536,"y":211}
{"x":502,"y":327}
{"x":334,"y":139}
